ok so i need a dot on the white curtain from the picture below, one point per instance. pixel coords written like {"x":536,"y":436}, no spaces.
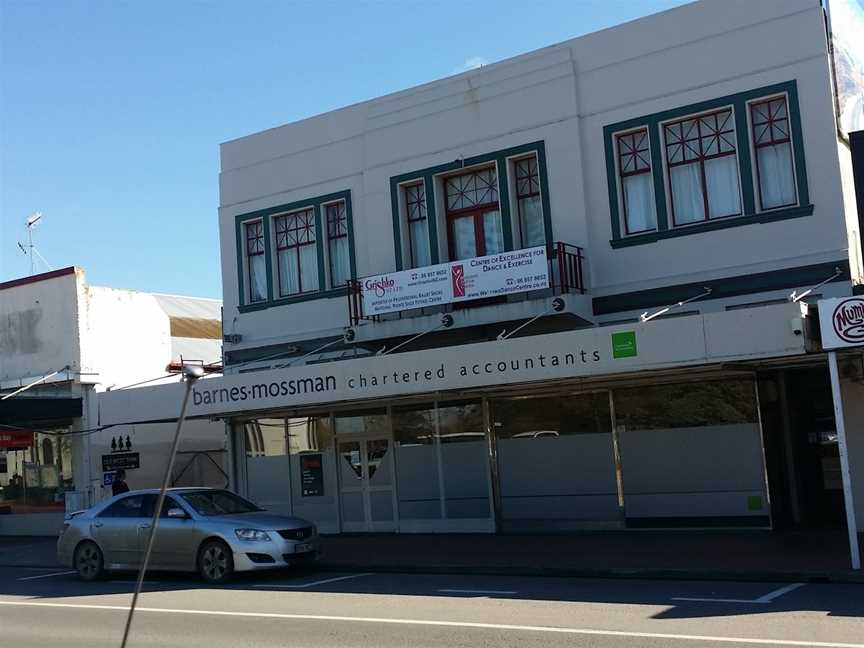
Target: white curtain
{"x":464,"y":244}
{"x":308,"y":268}
{"x":687,"y":193}
{"x":339,"y":262}
{"x":724,"y":194}
{"x":531,"y":216}
{"x":289,"y":281}
{"x":257,"y":278}
{"x":493,"y":232}
{"x":419,"y":243}
{"x":776,"y":175}
{"x":639,"y":204}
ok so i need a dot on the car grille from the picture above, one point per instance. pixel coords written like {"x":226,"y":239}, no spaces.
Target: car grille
{"x":296,"y":534}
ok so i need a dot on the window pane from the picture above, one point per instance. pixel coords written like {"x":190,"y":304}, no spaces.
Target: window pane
{"x":265,"y":437}
{"x":776,"y":175}
{"x":464,"y":244}
{"x":257,"y":278}
{"x":310,"y":434}
{"x":724,"y":197}
{"x":419,"y":243}
{"x":638,"y":203}
{"x":308,"y":268}
{"x":289,"y":280}
{"x":464,"y":460}
{"x":493,"y":232}
{"x":340,"y":270}
{"x":125,"y":508}
{"x":531,"y":221}
{"x":687,"y":193}
{"x":553,"y":416}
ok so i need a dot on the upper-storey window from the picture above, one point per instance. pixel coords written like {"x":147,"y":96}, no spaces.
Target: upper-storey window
{"x":772,"y":143}
{"x":296,"y":252}
{"x":256,"y":266}
{"x":474,"y":225}
{"x":418,"y":224}
{"x":634,"y":171}
{"x":532,"y":229}
{"x":702,"y":167}
{"x":337,"y":244}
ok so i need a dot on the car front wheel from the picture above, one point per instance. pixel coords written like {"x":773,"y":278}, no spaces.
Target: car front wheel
{"x":215,"y":562}
{"x":88,"y":561}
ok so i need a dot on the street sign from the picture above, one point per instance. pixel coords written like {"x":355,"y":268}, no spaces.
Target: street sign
{"x":842,"y":322}
{"x":120,"y":461}
{"x":108,"y":478}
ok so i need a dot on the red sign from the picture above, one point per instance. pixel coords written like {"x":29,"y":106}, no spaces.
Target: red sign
{"x":15,"y":439}
{"x":457,"y":274}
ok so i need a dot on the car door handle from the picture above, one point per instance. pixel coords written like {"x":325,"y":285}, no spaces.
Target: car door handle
{"x":144,"y":526}
{"x":97,"y":524}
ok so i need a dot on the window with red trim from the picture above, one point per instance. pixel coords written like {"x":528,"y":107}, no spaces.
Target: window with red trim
{"x":296,"y":252}
{"x":474,"y":225}
{"x":772,"y":142}
{"x":636,"y":180}
{"x":702,"y":167}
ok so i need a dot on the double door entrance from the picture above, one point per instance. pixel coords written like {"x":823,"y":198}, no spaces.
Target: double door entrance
{"x":366,"y":476}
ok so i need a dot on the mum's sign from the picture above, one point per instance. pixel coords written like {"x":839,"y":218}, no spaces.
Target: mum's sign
{"x":477,"y":278}
{"x":842,"y":322}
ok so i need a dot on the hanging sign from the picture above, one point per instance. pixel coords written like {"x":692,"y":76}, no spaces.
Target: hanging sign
{"x":120,"y":461}
{"x":478,"y":278}
{"x":842,"y":322}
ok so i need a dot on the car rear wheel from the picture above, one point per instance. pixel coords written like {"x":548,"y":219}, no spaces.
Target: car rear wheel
{"x":88,"y":561}
{"x":215,"y":562}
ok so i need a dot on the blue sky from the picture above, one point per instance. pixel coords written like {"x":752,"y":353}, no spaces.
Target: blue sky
{"x":111,"y":112}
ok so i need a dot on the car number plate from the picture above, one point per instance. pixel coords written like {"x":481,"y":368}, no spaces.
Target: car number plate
{"x":302,"y":547}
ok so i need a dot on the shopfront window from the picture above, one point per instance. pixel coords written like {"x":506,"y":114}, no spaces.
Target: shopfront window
{"x":35,"y":470}
{"x":417,"y":483}
{"x":464,"y":459}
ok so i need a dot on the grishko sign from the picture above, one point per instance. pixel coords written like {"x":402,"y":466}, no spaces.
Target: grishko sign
{"x":842,"y":322}
{"x":477,"y":278}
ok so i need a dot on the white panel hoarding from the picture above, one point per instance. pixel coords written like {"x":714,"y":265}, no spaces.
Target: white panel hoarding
{"x":842,"y":322}
{"x":445,"y":283}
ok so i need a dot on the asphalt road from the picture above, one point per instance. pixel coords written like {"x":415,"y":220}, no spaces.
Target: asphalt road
{"x":45,"y":608}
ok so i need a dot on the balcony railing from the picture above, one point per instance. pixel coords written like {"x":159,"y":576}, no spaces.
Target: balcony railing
{"x":566,"y":276}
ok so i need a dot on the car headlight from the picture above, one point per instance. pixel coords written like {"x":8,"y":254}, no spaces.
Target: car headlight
{"x":251,"y":534}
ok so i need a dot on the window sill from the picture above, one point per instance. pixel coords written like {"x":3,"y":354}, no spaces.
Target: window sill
{"x":735,"y":221}
{"x":296,"y":299}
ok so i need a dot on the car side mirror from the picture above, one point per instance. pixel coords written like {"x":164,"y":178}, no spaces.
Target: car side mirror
{"x":177,"y":513}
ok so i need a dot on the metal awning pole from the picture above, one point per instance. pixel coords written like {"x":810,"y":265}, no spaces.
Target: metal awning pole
{"x":848,"y":499}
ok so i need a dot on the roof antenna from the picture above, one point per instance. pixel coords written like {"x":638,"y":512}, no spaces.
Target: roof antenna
{"x":30,"y":248}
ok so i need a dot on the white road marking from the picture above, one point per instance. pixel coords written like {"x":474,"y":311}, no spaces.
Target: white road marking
{"x":473,"y":591}
{"x":314,"y":583}
{"x":762,"y":600}
{"x":449,"y":624}
{"x":63,"y":573}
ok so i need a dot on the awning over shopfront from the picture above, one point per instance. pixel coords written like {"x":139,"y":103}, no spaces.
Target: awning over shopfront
{"x":39,"y":411}
{"x":741,"y":335}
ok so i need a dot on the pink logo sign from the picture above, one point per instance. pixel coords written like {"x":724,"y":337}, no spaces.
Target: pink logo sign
{"x":457,"y":274}
{"x":848,"y":320}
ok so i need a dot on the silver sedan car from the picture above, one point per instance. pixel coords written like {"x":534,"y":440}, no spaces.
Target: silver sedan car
{"x":213,"y":532}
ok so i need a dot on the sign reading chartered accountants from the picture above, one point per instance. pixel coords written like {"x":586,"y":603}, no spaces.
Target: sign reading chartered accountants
{"x":842,"y":322}
{"x":478,"y":278}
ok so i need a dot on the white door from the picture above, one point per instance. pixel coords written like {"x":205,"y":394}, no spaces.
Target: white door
{"x":366,"y":484}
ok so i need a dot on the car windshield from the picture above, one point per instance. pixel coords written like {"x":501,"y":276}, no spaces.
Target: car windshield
{"x":218,"y":503}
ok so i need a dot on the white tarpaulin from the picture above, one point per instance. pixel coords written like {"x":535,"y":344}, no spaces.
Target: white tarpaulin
{"x":477,"y":278}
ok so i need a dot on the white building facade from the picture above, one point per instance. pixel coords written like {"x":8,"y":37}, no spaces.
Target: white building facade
{"x":691,"y":156}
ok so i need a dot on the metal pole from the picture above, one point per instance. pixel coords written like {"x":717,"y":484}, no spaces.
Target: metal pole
{"x":844,"y":461}
{"x":34,"y":383}
{"x":192,"y":374}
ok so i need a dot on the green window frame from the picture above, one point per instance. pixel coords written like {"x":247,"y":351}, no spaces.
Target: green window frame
{"x":429,"y":176}
{"x":740,"y":103}
{"x":267,"y":216}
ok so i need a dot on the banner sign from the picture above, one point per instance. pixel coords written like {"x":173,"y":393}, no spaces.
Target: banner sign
{"x":842,"y":322}
{"x":16,"y":439}
{"x":446,"y":283}
{"x":120,"y":461}
{"x":311,"y":475}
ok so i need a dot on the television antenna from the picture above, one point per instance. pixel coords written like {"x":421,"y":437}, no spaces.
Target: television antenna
{"x":30,"y":248}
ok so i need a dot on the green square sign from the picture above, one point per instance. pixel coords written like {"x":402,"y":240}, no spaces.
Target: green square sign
{"x":624,"y":344}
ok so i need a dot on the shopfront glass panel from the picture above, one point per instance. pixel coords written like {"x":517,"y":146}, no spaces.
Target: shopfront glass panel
{"x":417,"y":483}
{"x":267,"y":464}
{"x":313,"y":470}
{"x":464,"y":460}
{"x":35,"y":470}
{"x":556,"y":458}
{"x":692,"y":450}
